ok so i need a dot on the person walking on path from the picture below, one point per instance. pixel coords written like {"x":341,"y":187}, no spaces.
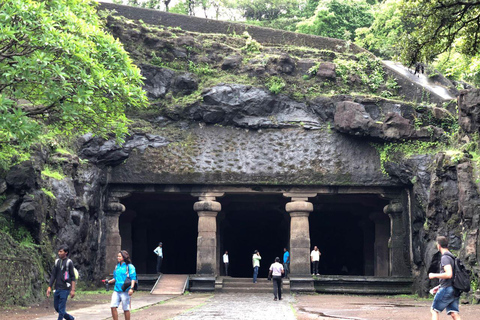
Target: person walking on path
{"x":315,"y":259}
{"x":159,"y":252}
{"x":226,"y":262}
{"x":446,"y":296}
{"x":256,"y":264}
{"x":63,"y":275}
{"x":286,"y":262}
{"x":123,"y":273}
{"x":276,"y":270}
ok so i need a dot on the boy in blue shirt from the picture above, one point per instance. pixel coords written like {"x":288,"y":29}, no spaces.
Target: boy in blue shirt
{"x":123,"y":269}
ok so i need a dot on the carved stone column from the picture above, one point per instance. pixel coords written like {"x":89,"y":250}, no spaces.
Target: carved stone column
{"x":399,"y":250}
{"x":299,"y":210}
{"x":207,"y":209}
{"x":113,"y":241}
{"x":381,"y":258}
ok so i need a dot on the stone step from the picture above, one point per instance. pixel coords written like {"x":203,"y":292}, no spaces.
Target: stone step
{"x":253,"y":290}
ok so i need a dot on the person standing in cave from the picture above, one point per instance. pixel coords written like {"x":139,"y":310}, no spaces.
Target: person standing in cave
{"x":256,"y":264}
{"x":315,"y":259}
{"x":63,"y":275}
{"x":226,"y":262}
{"x":286,"y":262}
{"x":159,"y":252}
{"x":446,"y":296}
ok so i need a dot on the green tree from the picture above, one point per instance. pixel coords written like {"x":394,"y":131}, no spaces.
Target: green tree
{"x":383,"y":36}
{"x":338,"y":19}
{"x":435,"y":26}
{"x":61,"y":75}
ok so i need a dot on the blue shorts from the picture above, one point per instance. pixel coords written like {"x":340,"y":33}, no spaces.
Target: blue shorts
{"x":122,"y":297}
{"x":446,"y":298}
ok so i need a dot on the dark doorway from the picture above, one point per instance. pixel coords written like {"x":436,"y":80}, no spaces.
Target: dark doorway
{"x":168,"y":218}
{"x":253,"y":222}
{"x":342,"y":228}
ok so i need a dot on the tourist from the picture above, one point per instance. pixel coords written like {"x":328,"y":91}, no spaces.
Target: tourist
{"x":256,"y":264}
{"x":286,"y":262}
{"x":225,"y":262}
{"x":124,"y":272}
{"x":446,"y":296}
{"x":315,"y":259}
{"x":63,"y":276}
{"x":276,"y":270}
{"x":159,"y":252}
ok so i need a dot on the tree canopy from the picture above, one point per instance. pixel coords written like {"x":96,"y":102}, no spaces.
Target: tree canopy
{"x":61,"y":75}
{"x":435,"y":26}
{"x":338,"y":19}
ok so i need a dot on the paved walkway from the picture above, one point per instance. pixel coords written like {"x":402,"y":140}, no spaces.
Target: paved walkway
{"x":102,"y":311}
{"x":241,"y":306}
{"x":420,"y":79}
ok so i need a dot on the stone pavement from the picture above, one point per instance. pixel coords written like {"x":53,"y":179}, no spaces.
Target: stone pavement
{"x":102,"y":311}
{"x":241,"y":306}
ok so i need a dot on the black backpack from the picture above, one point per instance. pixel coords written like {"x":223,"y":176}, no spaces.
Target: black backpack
{"x":461,"y":276}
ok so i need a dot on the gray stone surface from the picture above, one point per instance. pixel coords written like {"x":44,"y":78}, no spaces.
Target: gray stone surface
{"x":242,"y":306}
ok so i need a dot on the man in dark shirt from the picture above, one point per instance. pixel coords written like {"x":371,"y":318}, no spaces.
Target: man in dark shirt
{"x":64,"y":277}
{"x":446,"y":295}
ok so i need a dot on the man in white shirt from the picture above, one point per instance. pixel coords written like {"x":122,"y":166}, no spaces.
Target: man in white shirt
{"x":315,"y":259}
{"x":276,"y":270}
{"x":225,"y":262}
{"x":159,"y":252}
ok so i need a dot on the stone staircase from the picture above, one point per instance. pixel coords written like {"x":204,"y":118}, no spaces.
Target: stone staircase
{"x":245,"y":285}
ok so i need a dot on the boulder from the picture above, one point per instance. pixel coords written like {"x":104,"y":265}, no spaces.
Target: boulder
{"x":157,"y":80}
{"x":326,"y":70}
{"x":286,"y":64}
{"x":184,"y":84}
{"x":232,"y":62}
{"x":396,"y":127}
{"x":22,"y":176}
{"x":351,"y":118}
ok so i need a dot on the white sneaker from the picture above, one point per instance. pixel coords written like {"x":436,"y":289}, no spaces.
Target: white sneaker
{"x":313,"y":274}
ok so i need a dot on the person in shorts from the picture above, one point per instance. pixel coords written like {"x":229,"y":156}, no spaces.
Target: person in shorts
{"x":123,"y":268}
{"x":446,"y":296}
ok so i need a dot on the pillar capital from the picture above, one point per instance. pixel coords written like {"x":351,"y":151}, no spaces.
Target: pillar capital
{"x":207,"y":206}
{"x":299,"y":207}
{"x":114,"y":208}
{"x":395,"y":207}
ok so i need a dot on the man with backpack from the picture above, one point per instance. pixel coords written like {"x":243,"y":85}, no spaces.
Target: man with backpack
{"x":446,"y":297}
{"x":63,"y":275}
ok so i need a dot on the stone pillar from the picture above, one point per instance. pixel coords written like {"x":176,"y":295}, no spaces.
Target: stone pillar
{"x":207,"y":209}
{"x":113,"y":241}
{"x":399,"y":249}
{"x":381,"y":258}
{"x":299,"y":210}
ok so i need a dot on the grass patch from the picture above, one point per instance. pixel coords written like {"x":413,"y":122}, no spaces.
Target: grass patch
{"x":54,"y":174}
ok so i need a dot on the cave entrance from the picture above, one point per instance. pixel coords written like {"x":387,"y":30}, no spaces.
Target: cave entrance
{"x":351,"y":232}
{"x":252,"y":222}
{"x":151,"y":218}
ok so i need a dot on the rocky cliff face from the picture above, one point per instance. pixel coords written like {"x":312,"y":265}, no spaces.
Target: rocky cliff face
{"x":227,"y":109}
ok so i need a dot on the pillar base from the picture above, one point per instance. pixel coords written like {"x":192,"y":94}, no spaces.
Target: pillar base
{"x":300,"y":284}
{"x":199,"y":283}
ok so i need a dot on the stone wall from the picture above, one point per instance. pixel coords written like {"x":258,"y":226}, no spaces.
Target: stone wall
{"x":262,"y":35}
